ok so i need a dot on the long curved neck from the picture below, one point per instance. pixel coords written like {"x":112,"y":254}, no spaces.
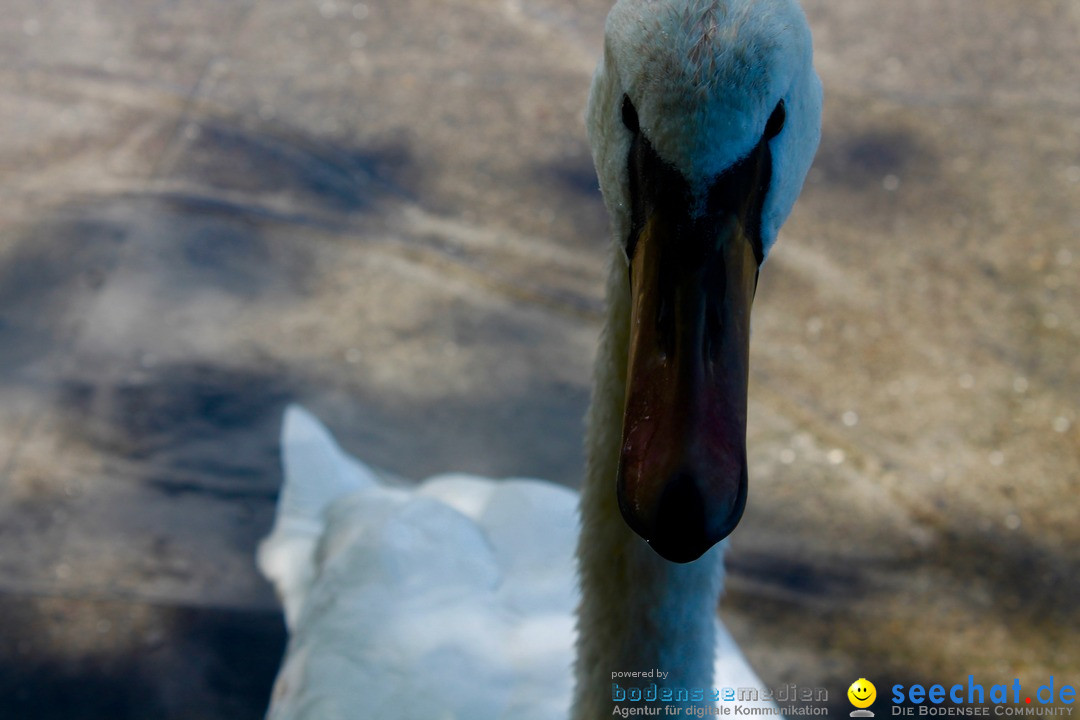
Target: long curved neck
{"x":638,"y":612}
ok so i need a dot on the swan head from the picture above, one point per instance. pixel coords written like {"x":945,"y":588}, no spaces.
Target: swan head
{"x":704,"y":117}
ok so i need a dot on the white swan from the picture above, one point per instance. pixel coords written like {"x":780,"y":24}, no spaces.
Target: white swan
{"x":455,"y":599}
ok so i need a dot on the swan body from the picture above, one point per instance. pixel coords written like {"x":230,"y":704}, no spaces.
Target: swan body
{"x":458,"y":598}
{"x":452,"y":599}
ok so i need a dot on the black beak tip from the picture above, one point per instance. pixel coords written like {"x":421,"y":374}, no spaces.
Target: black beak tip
{"x":689,"y":522}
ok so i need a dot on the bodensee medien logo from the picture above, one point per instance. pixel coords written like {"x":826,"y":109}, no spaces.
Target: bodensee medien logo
{"x":743,"y":701}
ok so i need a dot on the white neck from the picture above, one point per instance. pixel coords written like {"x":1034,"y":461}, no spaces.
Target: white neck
{"x":638,"y":611}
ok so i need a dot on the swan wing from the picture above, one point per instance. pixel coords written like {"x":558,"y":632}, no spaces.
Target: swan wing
{"x":450,"y":600}
{"x":317,"y":472}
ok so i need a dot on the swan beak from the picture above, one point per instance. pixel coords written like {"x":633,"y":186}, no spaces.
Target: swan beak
{"x":682,"y":474}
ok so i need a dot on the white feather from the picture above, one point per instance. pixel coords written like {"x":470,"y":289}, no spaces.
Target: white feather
{"x":454,"y":599}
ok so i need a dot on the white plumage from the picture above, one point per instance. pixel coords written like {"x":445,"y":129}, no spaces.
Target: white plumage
{"x":453,"y":599}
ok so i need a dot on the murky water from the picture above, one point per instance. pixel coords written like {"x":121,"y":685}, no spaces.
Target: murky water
{"x":389,"y":215}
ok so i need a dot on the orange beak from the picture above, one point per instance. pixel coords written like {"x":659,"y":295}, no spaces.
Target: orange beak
{"x":682,"y":479}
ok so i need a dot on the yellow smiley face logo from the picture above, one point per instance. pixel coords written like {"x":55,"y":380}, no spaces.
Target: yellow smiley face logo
{"x":862,"y":693}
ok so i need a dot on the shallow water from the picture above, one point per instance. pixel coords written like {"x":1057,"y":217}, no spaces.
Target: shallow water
{"x":389,"y":215}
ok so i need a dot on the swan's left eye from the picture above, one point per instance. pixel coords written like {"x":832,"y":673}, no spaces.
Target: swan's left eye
{"x":776,"y":121}
{"x":629,"y":115}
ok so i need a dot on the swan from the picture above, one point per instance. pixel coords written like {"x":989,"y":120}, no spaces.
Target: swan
{"x":458,"y":597}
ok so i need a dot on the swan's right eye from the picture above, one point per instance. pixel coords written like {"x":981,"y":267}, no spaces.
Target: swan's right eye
{"x":776,"y":121}
{"x":629,"y":115}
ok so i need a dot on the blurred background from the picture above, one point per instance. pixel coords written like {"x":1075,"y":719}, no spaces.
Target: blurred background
{"x":387,"y":212}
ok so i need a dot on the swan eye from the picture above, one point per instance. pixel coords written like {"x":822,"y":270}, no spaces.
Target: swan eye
{"x":776,"y":121}
{"x":629,"y":115}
